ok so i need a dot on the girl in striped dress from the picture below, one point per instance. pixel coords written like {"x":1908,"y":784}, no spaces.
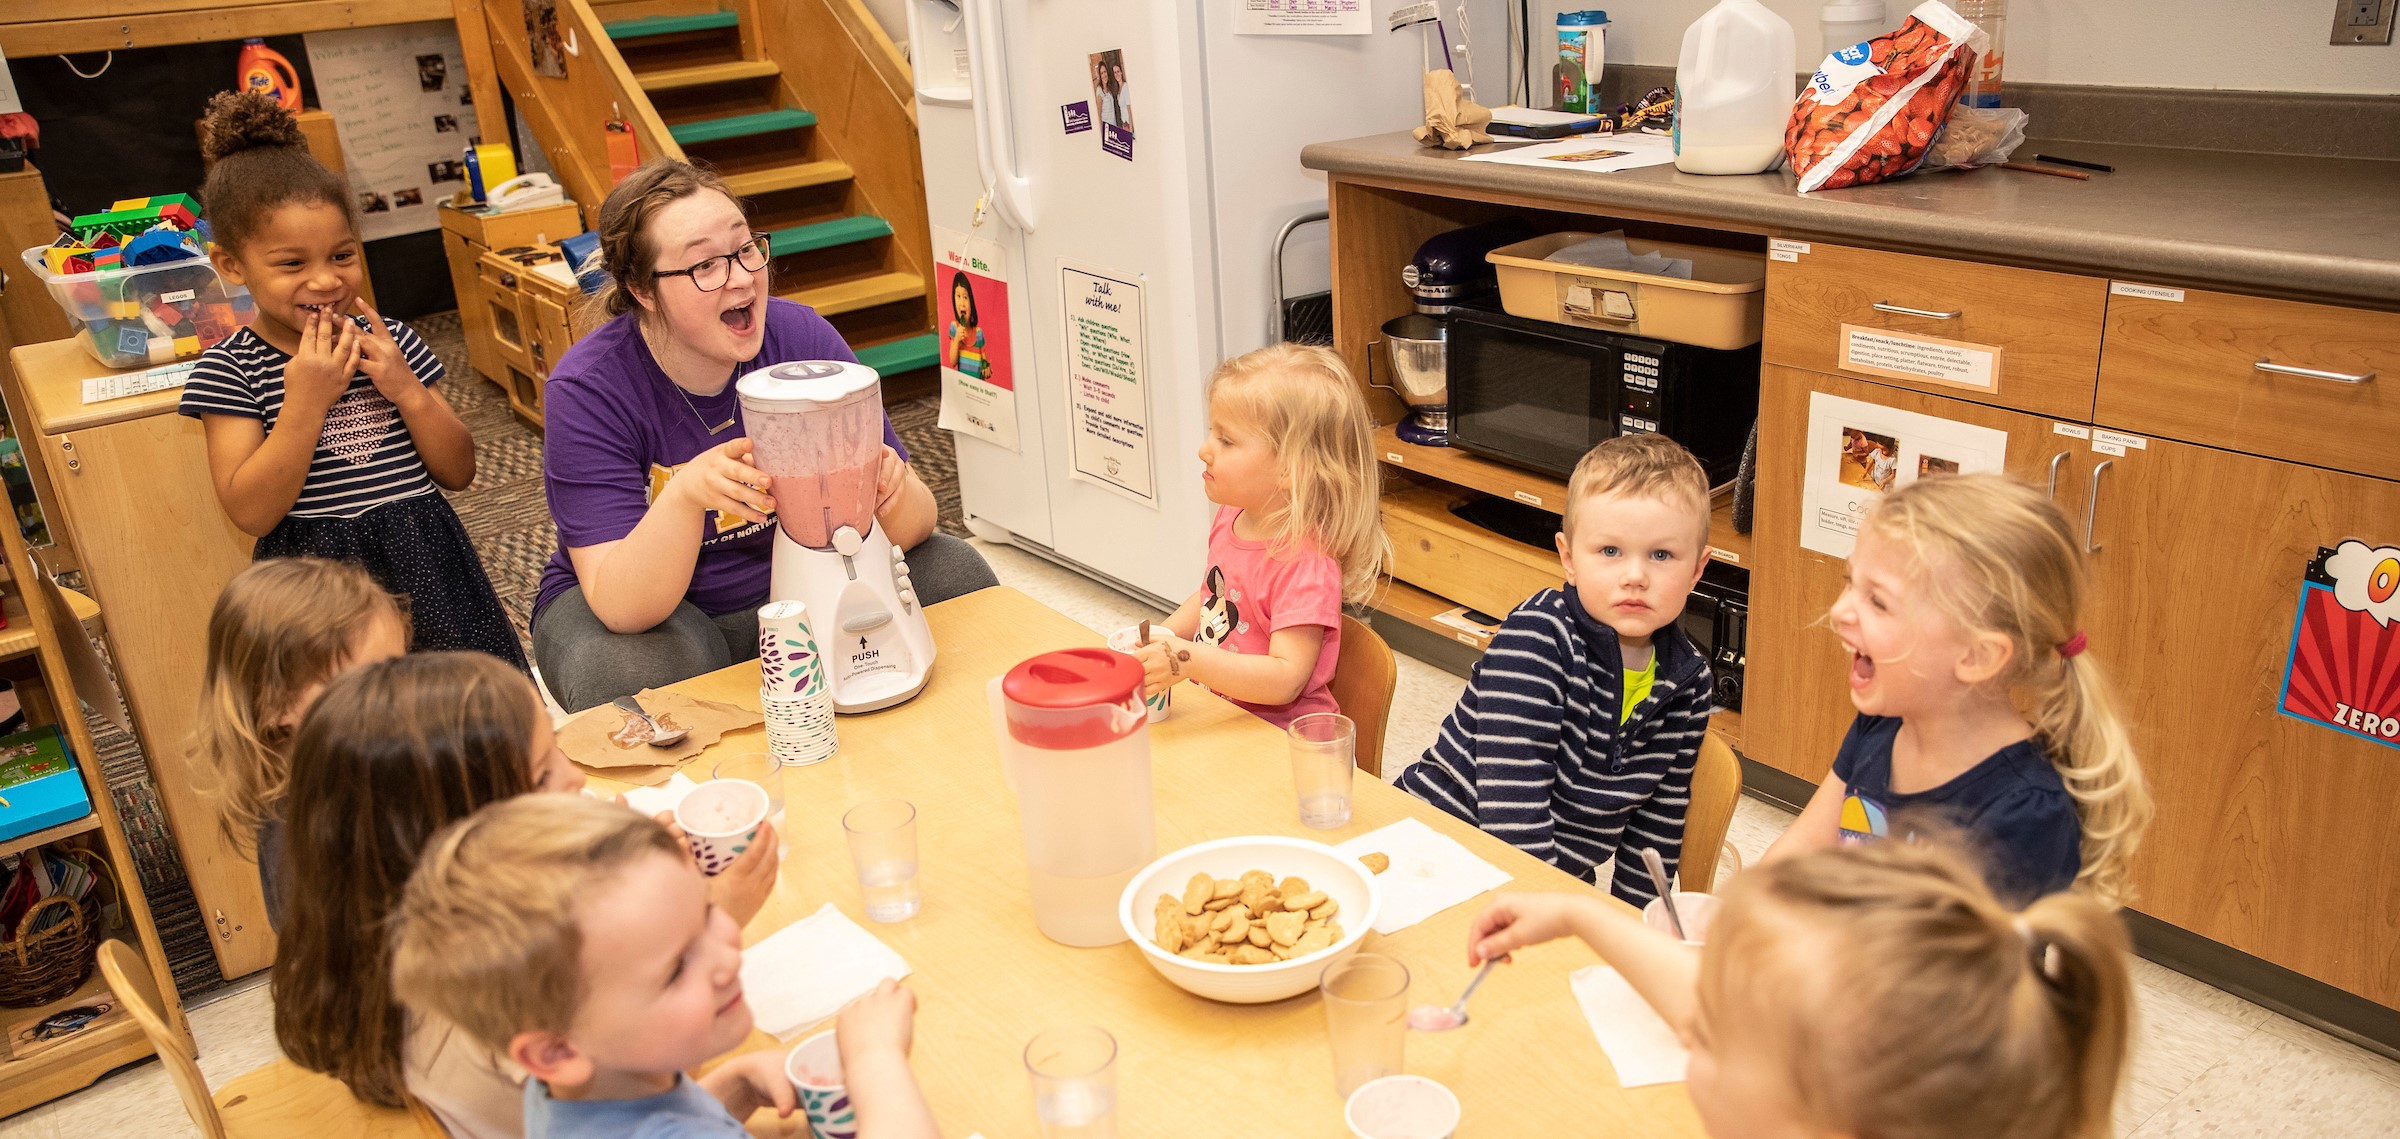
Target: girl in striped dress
{"x":325,"y":434}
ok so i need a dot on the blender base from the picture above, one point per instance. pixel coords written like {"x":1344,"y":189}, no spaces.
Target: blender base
{"x":870,"y":663}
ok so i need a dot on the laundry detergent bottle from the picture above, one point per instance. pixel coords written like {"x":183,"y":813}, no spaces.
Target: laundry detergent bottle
{"x":1733,"y":90}
{"x":264,"y":70}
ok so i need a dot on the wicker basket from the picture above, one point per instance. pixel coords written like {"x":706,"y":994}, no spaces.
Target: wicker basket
{"x":37,"y":968}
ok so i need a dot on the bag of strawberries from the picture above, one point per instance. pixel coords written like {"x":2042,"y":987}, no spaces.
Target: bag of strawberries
{"x":1873,"y":109}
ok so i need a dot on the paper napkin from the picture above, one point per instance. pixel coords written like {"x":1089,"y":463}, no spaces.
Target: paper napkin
{"x":1639,"y":1044}
{"x":808,"y":970}
{"x":1430,"y":872}
{"x":652,"y":800}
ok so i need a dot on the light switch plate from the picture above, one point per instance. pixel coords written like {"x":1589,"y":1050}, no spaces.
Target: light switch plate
{"x":2361,"y":23}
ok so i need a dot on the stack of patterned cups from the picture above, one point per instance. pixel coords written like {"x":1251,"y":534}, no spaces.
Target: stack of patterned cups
{"x":792,"y":687}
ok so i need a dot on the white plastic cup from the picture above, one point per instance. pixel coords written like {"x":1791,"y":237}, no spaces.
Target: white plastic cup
{"x":1124,"y":640}
{"x":1401,"y":1107}
{"x":1698,"y":912}
{"x":720,"y":818}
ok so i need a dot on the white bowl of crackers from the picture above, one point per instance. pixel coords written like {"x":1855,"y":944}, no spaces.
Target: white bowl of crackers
{"x":1249,"y":920}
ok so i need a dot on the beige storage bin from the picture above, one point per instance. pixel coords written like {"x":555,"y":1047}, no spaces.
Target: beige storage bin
{"x":1722,"y":306}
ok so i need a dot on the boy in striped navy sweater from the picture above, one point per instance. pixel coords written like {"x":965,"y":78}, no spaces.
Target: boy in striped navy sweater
{"x":1577,"y":735}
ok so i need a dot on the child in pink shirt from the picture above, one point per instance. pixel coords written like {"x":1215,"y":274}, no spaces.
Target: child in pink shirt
{"x":1290,"y":464}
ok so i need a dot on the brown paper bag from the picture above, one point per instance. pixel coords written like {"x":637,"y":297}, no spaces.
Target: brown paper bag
{"x":610,"y":742}
{"x":1452,"y":121}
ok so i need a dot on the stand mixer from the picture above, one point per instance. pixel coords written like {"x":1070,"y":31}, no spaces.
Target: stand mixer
{"x":816,"y":429}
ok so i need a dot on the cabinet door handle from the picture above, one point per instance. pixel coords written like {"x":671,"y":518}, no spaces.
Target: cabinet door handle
{"x":508,"y":280}
{"x":1904,"y":310}
{"x":2091,"y":506}
{"x":2056,"y":461}
{"x":2313,"y":373}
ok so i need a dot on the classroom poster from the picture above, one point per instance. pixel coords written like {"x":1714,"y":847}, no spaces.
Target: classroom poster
{"x":2344,"y":669}
{"x":1108,"y":401}
{"x":1859,"y":450}
{"x":1302,"y":18}
{"x":979,"y":379}
{"x":399,"y":100}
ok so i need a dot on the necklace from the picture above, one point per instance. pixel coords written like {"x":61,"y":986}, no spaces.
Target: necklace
{"x":687,"y":402}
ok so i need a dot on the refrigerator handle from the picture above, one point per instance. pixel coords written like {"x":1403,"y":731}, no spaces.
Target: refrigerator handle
{"x":995,"y":146}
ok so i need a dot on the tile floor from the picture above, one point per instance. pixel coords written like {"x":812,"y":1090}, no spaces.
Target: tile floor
{"x":2205,"y":1062}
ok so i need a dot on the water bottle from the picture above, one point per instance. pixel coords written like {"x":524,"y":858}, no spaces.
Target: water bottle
{"x":1582,"y":49}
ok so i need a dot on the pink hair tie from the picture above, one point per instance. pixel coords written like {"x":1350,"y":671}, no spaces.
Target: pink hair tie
{"x":2072,"y":646}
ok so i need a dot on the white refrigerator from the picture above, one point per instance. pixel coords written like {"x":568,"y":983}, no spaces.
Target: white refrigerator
{"x":1132,"y":266}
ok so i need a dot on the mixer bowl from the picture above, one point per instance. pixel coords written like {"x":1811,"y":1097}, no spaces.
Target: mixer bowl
{"x":1419,"y":348}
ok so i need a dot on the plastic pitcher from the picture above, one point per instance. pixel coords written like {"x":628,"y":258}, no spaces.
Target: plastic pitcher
{"x":1733,"y":90}
{"x":816,"y":428}
{"x":263,"y":69}
{"x":1075,"y":743}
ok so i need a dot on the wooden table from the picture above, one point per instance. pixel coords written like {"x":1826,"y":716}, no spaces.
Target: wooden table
{"x":986,"y":981}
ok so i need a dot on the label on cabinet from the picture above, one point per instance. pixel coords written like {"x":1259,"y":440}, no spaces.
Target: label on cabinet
{"x":1783,"y":245}
{"x":2119,"y":439}
{"x":1880,"y":352}
{"x":2146,"y":292}
{"x":2072,"y":430}
{"x":2347,"y":631}
{"x":2107,"y":448}
{"x":1858,"y":450}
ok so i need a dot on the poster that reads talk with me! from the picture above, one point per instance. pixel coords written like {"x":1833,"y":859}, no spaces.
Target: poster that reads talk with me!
{"x":979,"y":379}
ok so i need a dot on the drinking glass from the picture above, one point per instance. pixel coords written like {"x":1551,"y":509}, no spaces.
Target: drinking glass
{"x":1324,"y":745}
{"x":1074,"y":1073}
{"x":1366,"y":1016}
{"x":761,"y":768}
{"x":883,"y":847}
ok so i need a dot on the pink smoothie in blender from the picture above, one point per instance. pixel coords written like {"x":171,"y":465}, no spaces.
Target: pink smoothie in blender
{"x":823,"y":445}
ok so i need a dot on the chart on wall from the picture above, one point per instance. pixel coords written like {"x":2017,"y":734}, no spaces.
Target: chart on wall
{"x":1857,"y":451}
{"x":398,"y":96}
{"x":1108,"y":398}
{"x":2344,"y":669}
{"x":979,"y":379}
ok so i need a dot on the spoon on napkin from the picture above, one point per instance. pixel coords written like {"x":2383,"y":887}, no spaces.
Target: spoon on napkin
{"x":660,"y":735}
{"x":1435,"y":1018}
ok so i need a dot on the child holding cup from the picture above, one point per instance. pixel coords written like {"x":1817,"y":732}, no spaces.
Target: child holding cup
{"x":576,"y":937}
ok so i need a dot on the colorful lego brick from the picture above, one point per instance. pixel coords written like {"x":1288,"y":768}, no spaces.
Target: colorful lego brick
{"x":60,"y":258}
{"x":158,"y":246}
{"x":187,"y":345}
{"x":156,"y":201}
{"x":133,"y":340}
{"x":133,"y":215}
{"x":124,"y":310}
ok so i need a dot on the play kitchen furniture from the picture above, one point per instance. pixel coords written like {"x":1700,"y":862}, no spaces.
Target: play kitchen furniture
{"x":468,"y":233}
{"x":125,"y":486}
{"x":526,"y":298}
{"x":2208,"y":390}
{"x":43,"y":647}
{"x":987,"y":980}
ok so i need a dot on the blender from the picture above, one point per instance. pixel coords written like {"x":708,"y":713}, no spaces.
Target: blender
{"x":816,"y":429}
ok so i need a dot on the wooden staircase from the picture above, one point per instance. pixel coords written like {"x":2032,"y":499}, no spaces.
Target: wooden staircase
{"x":803,"y":106}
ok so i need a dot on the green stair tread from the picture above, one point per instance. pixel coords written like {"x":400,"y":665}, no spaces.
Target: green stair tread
{"x":826,"y":234}
{"x":739,"y":126}
{"x":908,"y":354}
{"x":669,"y":25}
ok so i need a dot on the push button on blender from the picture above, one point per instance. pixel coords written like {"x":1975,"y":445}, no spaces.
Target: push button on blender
{"x":864,"y":622}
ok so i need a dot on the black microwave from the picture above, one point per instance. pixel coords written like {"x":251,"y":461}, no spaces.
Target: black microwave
{"x":1539,"y":394}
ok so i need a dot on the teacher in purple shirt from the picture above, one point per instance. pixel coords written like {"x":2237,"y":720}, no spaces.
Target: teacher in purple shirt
{"x":665,"y":528}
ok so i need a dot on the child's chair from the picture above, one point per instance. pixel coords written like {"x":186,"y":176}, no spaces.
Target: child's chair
{"x":1364,"y":677}
{"x":281,"y":1099}
{"x":1716,"y":788}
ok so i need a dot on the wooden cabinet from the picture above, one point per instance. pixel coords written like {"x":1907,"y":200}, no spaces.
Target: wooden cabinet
{"x":468,"y":234}
{"x":2273,"y":832}
{"x":1796,"y":702}
{"x":131,"y":493}
{"x":2311,"y":383}
{"x":528,"y":299}
{"x":2038,"y":332}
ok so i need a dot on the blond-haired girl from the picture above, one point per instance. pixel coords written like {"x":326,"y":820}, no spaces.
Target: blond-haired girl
{"x":282,"y":629}
{"x":1965,"y":605}
{"x":1289,"y":461}
{"x":1873,"y":990}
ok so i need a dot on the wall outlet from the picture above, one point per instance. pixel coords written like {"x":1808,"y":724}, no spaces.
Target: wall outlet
{"x":2359,"y":23}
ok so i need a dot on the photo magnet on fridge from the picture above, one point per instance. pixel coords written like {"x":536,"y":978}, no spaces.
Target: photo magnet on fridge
{"x":1076,"y":118}
{"x":1112,"y":95}
{"x":2344,"y":670}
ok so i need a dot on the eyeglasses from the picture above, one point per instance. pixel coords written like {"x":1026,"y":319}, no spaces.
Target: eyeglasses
{"x":710,"y":275}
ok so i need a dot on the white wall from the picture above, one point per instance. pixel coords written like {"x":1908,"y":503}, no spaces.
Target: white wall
{"x":2241,"y":45}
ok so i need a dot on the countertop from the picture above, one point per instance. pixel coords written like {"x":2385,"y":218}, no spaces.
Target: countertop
{"x":2313,"y":228}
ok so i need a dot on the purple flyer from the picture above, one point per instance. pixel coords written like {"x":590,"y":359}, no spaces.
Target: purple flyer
{"x":1117,"y":141}
{"x":1078,"y":117}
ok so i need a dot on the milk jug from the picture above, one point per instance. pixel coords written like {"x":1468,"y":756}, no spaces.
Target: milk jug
{"x":1733,"y":90}
{"x":1075,"y":747}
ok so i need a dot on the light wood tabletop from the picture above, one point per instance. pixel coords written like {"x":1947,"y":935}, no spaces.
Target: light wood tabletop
{"x":986,"y":980}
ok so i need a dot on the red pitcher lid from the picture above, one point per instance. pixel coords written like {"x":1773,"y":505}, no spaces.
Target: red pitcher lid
{"x":1073,"y":678}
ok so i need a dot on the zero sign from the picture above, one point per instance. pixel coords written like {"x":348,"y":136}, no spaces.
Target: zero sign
{"x":2383,"y":581}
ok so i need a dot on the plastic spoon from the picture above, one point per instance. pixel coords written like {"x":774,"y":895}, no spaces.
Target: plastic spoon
{"x":1666,"y":892}
{"x":659,"y":737}
{"x":1435,"y":1018}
